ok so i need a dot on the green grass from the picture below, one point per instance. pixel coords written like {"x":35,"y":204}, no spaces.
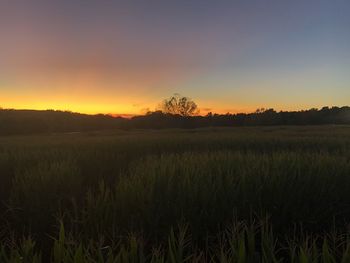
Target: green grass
{"x":269,"y":194}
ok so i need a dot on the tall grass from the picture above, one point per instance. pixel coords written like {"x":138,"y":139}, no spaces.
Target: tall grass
{"x":238,"y":243}
{"x":240,"y":195}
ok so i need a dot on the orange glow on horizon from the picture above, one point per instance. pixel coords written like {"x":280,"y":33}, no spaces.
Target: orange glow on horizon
{"x":94,"y":93}
{"x":123,"y":110}
{"x":110,"y":106}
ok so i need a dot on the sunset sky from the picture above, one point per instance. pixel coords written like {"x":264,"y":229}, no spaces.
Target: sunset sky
{"x":124,"y":57}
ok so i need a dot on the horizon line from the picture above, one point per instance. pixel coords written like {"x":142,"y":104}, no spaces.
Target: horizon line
{"x":131,"y":115}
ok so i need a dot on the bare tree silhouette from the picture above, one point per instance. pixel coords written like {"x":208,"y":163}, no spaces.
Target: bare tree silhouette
{"x":179,"y":105}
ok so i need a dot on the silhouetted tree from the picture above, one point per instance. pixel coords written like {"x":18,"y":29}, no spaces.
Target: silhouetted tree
{"x":179,"y":105}
{"x":260,"y":110}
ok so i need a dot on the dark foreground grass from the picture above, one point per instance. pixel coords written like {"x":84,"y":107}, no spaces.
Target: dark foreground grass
{"x":273,"y":194}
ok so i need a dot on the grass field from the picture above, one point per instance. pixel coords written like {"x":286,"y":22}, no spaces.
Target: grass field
{"x":268,"y":194}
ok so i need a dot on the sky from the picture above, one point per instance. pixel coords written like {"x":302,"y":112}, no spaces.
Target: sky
{"x":124,"y":57}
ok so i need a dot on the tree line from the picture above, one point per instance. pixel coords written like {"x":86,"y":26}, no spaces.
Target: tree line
{"x":326,"y":115}
{"x":175,"y":112}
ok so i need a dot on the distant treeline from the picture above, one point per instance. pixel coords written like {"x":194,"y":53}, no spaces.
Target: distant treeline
{"x":50,"y":121}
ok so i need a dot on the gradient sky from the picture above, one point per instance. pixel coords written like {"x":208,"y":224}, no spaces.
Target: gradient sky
{"x":126,"y":56}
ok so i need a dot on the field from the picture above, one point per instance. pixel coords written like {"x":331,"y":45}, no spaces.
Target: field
{"x":268,"y":194}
